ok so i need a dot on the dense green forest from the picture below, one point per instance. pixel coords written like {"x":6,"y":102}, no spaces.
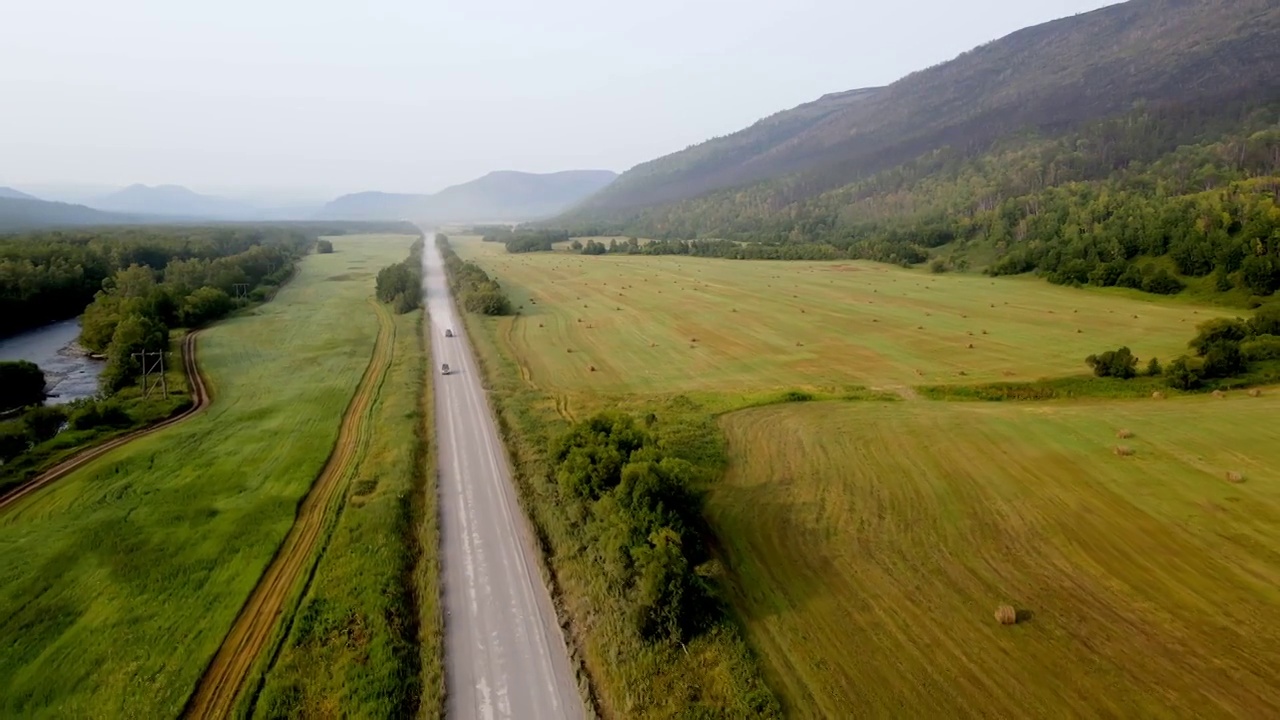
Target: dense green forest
{"x":1094,"y":206}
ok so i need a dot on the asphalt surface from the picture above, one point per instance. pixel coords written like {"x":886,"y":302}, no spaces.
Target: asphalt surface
{"x":505,"y":655}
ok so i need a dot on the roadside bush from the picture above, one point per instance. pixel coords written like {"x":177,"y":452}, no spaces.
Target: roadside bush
{"x":1114,"y":363}
{"x":21,"y":384}
{"x":1153,"y":368}
{"x":643,"y":521}
{"x":405,"y":303}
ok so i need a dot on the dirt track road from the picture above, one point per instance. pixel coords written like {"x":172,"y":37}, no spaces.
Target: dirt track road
{"x":223,"y":680}
{"x":505,"y":655}
{"x":199,"y":400}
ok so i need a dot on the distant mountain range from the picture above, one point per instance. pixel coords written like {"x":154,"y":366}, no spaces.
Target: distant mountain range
{"x":1044,"y":79}
{"x":18,"y":213}
{"x":498,"y":196}
{"x":10,"y":193}
{"x":173,"y":201}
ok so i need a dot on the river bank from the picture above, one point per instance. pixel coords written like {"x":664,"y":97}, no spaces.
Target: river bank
{"x":69,"y":372}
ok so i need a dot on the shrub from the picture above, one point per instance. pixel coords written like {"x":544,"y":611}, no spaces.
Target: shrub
{"x":324,"y":247}
{"x":405,"y":303}
{"x":796,"y":396}
{"x":44,"y":422}
{"x":1223,"y":359}
{"x":13,"y":440}
{"x":1262,"y":347}
{"x":1211,"y":332}
{"x":1184,"y":373}
{"x":1266,"y":321}
{"x":1114,"y":363}
{"x":21,"y":384}
{"x":1153,"y":368}
{"x":89,"y":414}
{"x":205,"y":305}
{"x":938,"y":266}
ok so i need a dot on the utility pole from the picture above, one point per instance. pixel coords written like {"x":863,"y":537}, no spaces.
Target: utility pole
{"x":242,"y":290}
{"x":152,"y":364}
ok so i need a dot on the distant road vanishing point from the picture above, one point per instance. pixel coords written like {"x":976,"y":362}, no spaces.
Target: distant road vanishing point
{"x":505,"y":655}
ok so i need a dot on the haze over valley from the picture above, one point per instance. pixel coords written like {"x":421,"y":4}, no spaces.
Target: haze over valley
{"x":664,"y":361}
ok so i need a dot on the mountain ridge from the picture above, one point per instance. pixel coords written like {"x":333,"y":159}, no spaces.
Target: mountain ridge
{"x":497,"y":195}
{"x":1045,"y":77}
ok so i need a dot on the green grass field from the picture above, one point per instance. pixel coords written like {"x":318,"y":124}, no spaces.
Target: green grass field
{"x":120,"y":581}
{"x":353,"y":650}
{"x":867,"y":543}
{"x":871,"y":543}
{"x":668,"y":324}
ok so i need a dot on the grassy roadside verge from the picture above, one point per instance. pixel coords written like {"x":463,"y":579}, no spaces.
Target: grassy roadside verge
{"x":354,"y":647}
{"x":712,"y":675}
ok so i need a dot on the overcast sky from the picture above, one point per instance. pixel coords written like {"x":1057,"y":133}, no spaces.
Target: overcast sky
{"x":328,"y":96}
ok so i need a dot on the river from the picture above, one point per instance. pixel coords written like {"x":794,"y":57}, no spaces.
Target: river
{"x":70,"y":373}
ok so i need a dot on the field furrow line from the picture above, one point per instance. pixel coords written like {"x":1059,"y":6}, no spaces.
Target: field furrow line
{"x":199,"y":400}
{"x":224,"y":679}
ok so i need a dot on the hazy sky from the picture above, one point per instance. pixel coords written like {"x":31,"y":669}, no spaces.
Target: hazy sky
{"x":412,"y":95}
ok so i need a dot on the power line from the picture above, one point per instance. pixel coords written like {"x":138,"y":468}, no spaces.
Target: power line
{"x":152,"y":365}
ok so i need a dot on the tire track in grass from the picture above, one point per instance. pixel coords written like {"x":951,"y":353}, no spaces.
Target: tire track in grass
{"x":219,"y":688}
{"x":199,"y":400}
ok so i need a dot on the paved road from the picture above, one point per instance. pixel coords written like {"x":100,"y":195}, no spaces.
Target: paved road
{"x":505,"y":655}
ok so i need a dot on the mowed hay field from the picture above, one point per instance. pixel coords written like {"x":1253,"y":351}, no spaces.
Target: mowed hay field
{"x":120,"y":581}
{"x":872,"y":542}
{"x":677,"y":324}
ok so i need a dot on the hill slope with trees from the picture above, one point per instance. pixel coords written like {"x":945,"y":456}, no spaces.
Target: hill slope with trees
{"x":1045,"y":78}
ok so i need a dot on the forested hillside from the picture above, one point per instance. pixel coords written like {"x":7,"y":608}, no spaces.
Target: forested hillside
{"x":18,"y":213}
{"x":1046,"y":78}
{"x":1180,"y":179}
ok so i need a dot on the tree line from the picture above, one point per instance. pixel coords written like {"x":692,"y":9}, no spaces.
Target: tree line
{"x":1223,"y":348}
{"x":474,"y":290}
{"x":401,"y":284}
{"x":523,"y":241}
{"x":1144,"y":200}
{"x":52,"y":275}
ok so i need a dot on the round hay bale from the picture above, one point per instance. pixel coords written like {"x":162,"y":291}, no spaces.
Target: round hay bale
{"x":1123,"y":451}
{"x":1006,"y":615}
{"x":1219,"y":394}
{"x":970,"y":346}
{"x":539,"y":324}
{"x":1124,"y":434}
{"x":591,"y":368}
{"x":799,"y":344}
{"x":568,"y":350}
{"x":1255,"y":393}
{"x":1234,"y":477}
{"x":1157,"y":395}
